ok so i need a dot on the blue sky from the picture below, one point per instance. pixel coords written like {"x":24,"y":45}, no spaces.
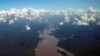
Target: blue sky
{"x":49,"y":4}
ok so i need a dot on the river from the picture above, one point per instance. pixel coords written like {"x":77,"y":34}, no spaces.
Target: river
{"x":47,"y":46}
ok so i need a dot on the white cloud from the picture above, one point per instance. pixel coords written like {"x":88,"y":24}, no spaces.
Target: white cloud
{"x":61,"y":23}
{"x":27,"y":27}
{"x":82,"y":23}
{"x":98,"y":23}
{"x":11,"y":21}
{"x":67,"y":19}
{"x":76,"y":17}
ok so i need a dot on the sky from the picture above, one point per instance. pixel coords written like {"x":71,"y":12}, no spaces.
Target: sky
{"x":49,"y":4}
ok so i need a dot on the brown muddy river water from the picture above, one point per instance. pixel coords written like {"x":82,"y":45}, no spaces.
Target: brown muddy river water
{"x":48,"y":45}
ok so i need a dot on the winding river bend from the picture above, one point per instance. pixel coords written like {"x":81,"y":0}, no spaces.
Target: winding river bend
{"x":48,"y":45}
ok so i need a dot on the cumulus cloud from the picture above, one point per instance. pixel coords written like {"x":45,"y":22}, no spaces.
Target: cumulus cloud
{"x":82,"y":23}
{"x":98,"y":23}
{"x":27,"y":27}
{"x":11,"y":21}
{"x":76,"y":17}
{"x":61,"y":23}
